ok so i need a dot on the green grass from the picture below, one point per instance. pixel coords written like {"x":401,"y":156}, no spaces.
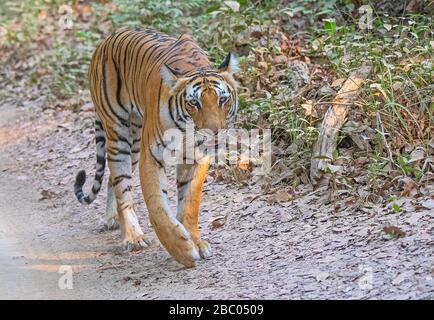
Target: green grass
{"x":398,"y":94}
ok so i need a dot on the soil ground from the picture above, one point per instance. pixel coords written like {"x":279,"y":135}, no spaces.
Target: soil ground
{"x":300,"y":249}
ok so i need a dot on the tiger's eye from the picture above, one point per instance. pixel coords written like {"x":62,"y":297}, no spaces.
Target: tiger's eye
{"x":194,"y":102}
{"x":223,"y":100}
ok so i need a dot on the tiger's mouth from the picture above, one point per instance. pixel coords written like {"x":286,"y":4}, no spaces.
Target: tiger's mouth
{"x":211,"y":141}
{"x":208,"y":142}
{"x":204,"y":138}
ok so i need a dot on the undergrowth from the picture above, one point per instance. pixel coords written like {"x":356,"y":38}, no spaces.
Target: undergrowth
{"x":294,"y":55}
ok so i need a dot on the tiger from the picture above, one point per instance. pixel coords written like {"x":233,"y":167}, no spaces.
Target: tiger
{"x":142,"y":83}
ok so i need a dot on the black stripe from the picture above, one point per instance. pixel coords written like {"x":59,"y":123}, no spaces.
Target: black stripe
{"x":165,"y":54}
{"x":132,"y":55}
{"x":125,"y":140}
{"x":182,"y":184}
{"x":181,"y":113}
{"x":114,"y":160}
{"x":116,"y":151}
{"x":99,"y":176}
{"x":156,"y":160}
{"x":94,"y":191}
{"x":172,"y":117}
{"x":99,"y":139}
{"x":104,"y":83}
{"x":118,"y":75}
{"x":158,"y":110}
{"x":119,"y":179}
{"x":100,"y":159}
{"x":126,"y":189}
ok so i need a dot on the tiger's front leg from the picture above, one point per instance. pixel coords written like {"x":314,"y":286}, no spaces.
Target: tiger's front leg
{"x":190,"y":179}
{"x":171,"y":232}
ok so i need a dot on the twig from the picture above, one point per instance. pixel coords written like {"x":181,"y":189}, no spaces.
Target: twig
{"x":333,"y":121}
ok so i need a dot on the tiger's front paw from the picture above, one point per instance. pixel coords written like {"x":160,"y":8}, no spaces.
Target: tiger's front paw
{"x":132,"y":235}
{"x":136,"y":243}
{"x":204,"y":249}
{"x":179,"y":244}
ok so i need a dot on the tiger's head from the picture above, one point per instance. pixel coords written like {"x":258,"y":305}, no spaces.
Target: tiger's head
{"x":208,"y":98}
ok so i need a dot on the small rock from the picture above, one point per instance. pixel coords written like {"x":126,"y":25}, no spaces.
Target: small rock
{"x":87,"y":107}
{"x":429,"y":204}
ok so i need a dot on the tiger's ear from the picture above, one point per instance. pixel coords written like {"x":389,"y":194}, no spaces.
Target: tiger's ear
{"x":230,"y":64}
{"x":169,"y":75}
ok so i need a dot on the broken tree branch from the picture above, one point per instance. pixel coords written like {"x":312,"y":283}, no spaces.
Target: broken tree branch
{"x":332,"y":123}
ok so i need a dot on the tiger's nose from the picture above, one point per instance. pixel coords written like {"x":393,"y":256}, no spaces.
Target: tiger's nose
{"x":215,"y":126}
{"x":210,"y":128}
{"x":215,"y":130}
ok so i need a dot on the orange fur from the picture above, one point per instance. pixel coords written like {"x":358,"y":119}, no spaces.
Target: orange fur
{"x":139,"y":82}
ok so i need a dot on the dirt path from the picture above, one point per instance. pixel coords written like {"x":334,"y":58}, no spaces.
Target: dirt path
{"x":32,"y":250}
{"x":304,"y":248}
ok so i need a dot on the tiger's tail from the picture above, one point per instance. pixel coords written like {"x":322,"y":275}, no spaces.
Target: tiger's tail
{"x":100,"y":166}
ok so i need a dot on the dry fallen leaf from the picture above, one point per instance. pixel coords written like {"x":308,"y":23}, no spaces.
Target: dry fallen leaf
{"x":46,"y":194}
{"x":409,"y":186}
{"x":281,"y":59}
{"x":417,"y":154}
{"x":308,"y":107}
{"x":234,"y":5}
{"x":338,"y":82}
{"x":394,"y":231}
{"x":280,"y":196}
{"x":219,"y":222}
{"x":43,"y":14}
{"x":244,"y":164}
{"x":388,"y":27}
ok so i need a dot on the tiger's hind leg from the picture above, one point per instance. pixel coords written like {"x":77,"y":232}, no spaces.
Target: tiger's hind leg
{"x":190,"y":179}
{"x":112,"y":216}
{"x":120,"y":163}
{"x":136,"y":134}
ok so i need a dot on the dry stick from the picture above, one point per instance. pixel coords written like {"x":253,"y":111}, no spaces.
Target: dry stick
{"x":332,"y":123}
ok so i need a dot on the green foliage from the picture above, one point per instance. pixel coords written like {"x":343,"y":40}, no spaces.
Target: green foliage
{"x":223,"y":23}
{"x":167,"y":16}
{"x":396,"y":101}
{"x":396,"y":208}
{"x":20,"y":21}
{"x":399,"y":92}
{"x":402,"y":161}
{"x":330,"y":26}
{"x":67,"y":65}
